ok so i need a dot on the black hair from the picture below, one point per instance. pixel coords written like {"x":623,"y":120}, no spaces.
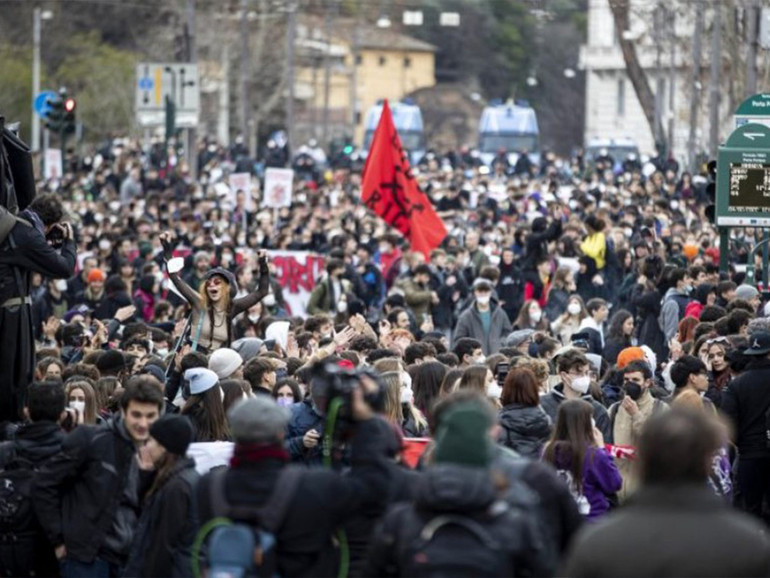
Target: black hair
{"x":466,"y":346}
{"x":417,"y":351}
{"x":46,"y":401}
{"x":378,"y":354}
{"x":193,"y":359}
{"x":684,"y":367}
{"x":49,"y":208}
{"x":711,"y":313}
{"x":142,"y":389}
{"x":638,"y":366}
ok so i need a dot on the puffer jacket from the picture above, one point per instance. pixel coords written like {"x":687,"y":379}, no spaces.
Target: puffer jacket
{"x":524,"y":429}
{"x":461,"y":492}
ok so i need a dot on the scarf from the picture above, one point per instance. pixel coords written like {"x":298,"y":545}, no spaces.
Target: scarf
{"x":254,"y":453}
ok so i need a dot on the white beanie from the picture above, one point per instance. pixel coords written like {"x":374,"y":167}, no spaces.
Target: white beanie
{"x":224,"y":362}
{"x":278,"y":331}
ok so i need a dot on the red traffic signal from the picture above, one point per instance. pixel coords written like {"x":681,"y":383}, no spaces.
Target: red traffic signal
{"x":70,"y":105}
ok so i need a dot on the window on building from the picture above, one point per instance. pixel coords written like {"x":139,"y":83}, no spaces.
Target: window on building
{"x":359,"y":59}
{"x":621,"y":108}
{"x":407,"y":62}
{"x":382,"y":61}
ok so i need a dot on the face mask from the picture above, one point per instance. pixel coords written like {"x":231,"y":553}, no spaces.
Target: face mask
{"x":269,"y":300}
{"x":61,"y":285}
{"x":79,"y":406}
{"x":633,"y":390}
{"x":580,"y":384}
{"x":481,"y":360}
{"x":104,"y":245}
{"x":573,"y":308}
{"x":163,"y":352}
{"x":406,"y":395}
{"x":342,"y":306}
{"x":536,"y":316}
{"x":688,"y":288}
{"x":494,"y":390}
{"x":253,"y":318}
{"x":159,"y":277}
{"x":482,"y":299}
{"x":406,"y":380}
{"x":285,"y":401}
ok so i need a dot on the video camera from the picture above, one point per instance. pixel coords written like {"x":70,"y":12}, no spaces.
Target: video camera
{"x":330,"y":382}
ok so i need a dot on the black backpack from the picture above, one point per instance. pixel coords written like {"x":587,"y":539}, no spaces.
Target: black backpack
{"x":243,"y":541}
{"x":458,"y":545}
{"x":18,"y":524}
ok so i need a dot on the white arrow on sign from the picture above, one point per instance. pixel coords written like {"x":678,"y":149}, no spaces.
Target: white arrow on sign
{"x":751,"y":135}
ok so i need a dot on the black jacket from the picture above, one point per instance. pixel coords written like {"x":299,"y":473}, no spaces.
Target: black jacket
{"x":703,"y":537}
{"x":746,"y":401}
{"x":452,"y":490}
{"x":613,"y":347}
{"x":524,"y":429}
{"x":323,"y":500}
{"x":166,"y":530}
{"x":79,"y":489}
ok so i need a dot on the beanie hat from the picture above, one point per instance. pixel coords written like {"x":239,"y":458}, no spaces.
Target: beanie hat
{"x":174,"y":432}
{"x":247,"y":347}
{"x":628,"y":355}
{"x":224,"y":362}
{"x":96,"y":275}
{"x":257,"y":419}
{"x":201,"y":379}
{"x":518,"y":337}
{"x":278,"y":331}
{"x":226,"y":275}
{"x":462,"y":437}
{"x":746,"y":292}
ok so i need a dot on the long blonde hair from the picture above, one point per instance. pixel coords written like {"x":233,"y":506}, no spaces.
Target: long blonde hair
{"x":89,"y":413}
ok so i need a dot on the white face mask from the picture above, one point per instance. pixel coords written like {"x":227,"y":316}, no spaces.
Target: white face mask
{"x":269,"y":300}
{"x":159,"y":277}
{"x":342,"y":306}
{"x":580,"y":384}
{"x":61,"y":285}
{"x":536,"y":315}
{"x":163,"y":352}
{"x":480,"y":360}
{"x":253,"y":318}
{"x":406,"y":380}
{"x":573,"y":308}
{"x":494,"y":390}
{"x":104,"y":245}
{"x":483,"y":299}
{"x":407,"y":395}
{"x":79,"y":406}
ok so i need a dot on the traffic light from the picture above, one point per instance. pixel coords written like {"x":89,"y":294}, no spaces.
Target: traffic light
{"x":55,"y":116}
{"x":69,"y":121}
{"x":711,"y":191}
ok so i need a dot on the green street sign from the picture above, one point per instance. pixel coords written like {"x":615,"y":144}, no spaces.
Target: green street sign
{"x":743,"y":178}
{"x":754,"y":109}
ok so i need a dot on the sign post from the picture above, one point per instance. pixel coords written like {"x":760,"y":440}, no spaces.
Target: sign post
{"x":159,"y":82}
{"x":743,"y":181}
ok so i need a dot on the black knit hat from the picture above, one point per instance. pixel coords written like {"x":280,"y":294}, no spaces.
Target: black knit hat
{"x":174,"y":432}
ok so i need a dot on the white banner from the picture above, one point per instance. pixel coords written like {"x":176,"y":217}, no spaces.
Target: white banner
{"x":296,"y":273}
{"x":278,"y":188}
{"x":241,"y":182}
{"x":52,"y":165}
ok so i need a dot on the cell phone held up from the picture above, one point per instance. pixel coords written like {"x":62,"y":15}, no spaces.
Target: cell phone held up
{"x":502,"y":372}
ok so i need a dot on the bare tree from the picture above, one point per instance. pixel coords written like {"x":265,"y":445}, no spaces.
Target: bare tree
{"x":636,"y":73}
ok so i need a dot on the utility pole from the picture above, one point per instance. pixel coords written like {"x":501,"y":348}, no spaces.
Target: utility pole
{"x":223,"y":125}
{"x":671,"y":80}
{"x":36,"y":26}
{"x":291,"y":29}
{"x":330,"y":14}
{"x":716,"y":60}
{"x":695,"y":85}
{"x":244,"y":120}
{"x":354,"y":75}
{"x":752,"y":37}
{"x":192,"y":56}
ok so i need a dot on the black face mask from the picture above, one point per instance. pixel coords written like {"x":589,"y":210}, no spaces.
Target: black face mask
{"x":633,"y":390}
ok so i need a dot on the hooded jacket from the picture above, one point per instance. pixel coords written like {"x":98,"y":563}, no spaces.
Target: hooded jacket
{"x":551,"y":401}
{"x":525,"y":429}
{"x":672,"y":310}
{"x":453,"y":490}
{"x":469,"y":325}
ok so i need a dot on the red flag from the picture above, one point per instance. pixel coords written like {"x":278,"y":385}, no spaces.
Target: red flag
{"x":390,"y":190}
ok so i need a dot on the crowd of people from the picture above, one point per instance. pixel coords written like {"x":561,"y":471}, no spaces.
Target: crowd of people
{"x":567,"y":373}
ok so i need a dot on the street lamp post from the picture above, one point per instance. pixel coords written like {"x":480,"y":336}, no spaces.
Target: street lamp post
{"x":37,"y":25}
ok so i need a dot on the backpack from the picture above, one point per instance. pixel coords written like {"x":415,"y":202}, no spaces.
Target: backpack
{"x":243,"y":542}
{"x":18,"y":524}
{"x":457,"y":545}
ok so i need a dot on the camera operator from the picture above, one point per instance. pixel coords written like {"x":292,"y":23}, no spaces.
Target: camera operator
{"x":39,"y":242}
{"x":321,"y":499}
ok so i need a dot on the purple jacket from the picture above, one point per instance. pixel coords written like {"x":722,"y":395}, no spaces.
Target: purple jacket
{"x":601,"y":479}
